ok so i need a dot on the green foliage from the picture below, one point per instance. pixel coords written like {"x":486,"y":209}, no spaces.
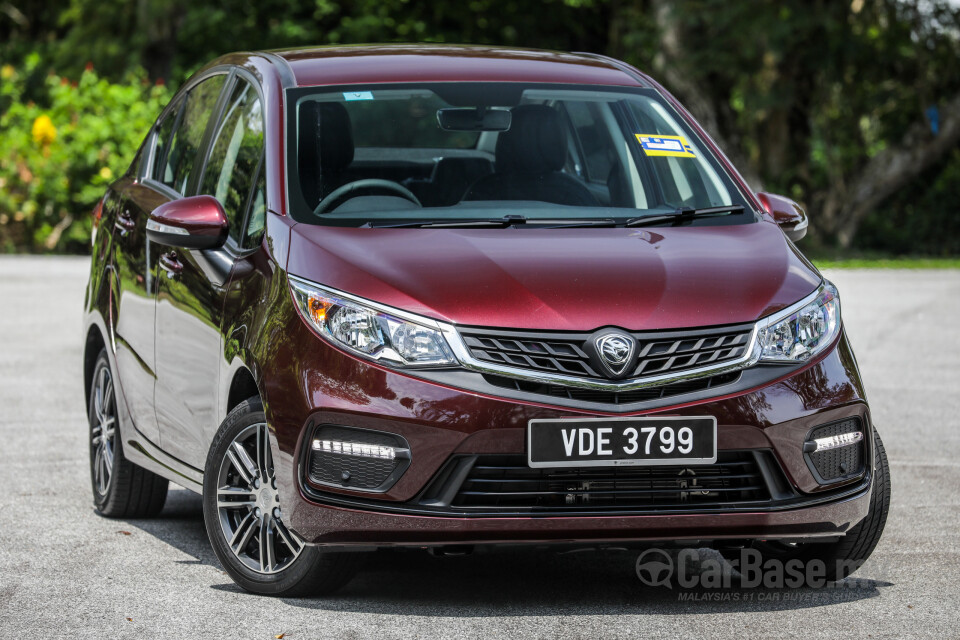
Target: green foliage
{"x":920,"y":219}
{"x":890,"y":263}
{"x":59,"y":153}
{"x":805,"y":92}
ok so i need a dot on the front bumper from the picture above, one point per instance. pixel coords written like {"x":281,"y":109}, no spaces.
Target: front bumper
{"x":440,"y":422}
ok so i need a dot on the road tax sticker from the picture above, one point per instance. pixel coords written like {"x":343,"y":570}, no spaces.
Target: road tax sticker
{"x":672,"y":146}
{"x":357,"y":95}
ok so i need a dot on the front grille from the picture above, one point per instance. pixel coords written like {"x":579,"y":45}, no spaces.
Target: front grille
{"x":841,"y":462}
{"x":505,"y":483}
{"x":569,"y":353}
{"x":614,"y":397}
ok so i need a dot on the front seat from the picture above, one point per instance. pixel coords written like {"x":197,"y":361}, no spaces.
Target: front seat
{"x":529,"y":159}
{"x":324,"y":149}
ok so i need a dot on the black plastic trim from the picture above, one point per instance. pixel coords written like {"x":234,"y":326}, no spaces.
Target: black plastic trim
{"x":867,"y":454}
{"x":403,"y":456}
{"x":429,"y":504}
{"x":750,"y":378}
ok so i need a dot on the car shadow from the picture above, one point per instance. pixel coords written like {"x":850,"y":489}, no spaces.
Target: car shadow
{"x":515,"y":581}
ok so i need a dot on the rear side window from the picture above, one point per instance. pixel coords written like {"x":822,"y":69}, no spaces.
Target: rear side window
{"x":181,"y":156}
{"x":235,"y":155}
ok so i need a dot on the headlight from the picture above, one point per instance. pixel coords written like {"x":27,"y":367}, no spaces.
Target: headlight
{"x":802,"y":332}
{"x":370,"y":330}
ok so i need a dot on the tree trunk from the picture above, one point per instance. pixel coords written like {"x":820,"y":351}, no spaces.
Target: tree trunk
{"x":668,"y":65}
{"x":847,"y":204}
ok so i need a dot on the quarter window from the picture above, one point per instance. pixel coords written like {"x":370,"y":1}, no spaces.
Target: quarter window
{"x":161,"y":171}
{"x":258,"y":211}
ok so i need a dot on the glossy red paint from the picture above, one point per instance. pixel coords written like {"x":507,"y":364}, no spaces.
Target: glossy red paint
{"x":197,"y":216}
{"x":562,"y":279}
{"x":342,"y":527}
{"x":789,"y":215}
{"x":448,"y":63}
{"x":319,"y":384}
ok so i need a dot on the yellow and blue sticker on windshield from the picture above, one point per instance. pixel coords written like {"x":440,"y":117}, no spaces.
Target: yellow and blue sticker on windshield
{"x":659,"y":145}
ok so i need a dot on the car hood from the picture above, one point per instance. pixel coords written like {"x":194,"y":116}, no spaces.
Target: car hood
{"x":562,"y":279}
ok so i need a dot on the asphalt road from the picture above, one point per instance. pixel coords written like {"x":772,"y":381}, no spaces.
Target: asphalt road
{"x":66,"y":572}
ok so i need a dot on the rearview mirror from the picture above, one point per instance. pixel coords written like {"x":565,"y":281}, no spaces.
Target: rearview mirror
{"x":197,"y":222}
{"x":785,"y":212}
{"x":474,"y":119}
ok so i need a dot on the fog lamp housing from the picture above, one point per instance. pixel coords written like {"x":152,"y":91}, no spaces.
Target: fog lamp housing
{"x":355,"y":459}
{"x":835,"y":452}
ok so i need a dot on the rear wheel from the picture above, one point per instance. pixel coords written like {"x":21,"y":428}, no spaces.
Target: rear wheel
{"x":244,"y":519}
{"x":848,"y":554}
{"x":121,"y":489}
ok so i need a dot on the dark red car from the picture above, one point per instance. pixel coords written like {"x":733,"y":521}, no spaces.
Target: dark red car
{"x":442,"y":297}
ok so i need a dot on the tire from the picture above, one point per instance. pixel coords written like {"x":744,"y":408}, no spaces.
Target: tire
{"x":249,"y":537}
{"x":848,"y":554}
{"x":121,"y":489}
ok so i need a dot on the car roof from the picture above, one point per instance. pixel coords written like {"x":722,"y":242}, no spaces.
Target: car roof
{"x":372,"y":64}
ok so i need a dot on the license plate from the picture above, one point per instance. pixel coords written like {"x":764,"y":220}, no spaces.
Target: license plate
{"x":609,"y":442}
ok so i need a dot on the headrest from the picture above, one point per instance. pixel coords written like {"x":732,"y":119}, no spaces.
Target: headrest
{"x":535,"y":143}
{"x":327,"y":125}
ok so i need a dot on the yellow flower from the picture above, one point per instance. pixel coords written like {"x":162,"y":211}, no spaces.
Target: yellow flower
{"x":7,"y":71}
{"x":43,"y":130}
{"x":105,"y":173}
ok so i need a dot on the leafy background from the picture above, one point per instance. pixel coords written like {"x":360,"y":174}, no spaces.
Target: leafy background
{"x":850,"y":107}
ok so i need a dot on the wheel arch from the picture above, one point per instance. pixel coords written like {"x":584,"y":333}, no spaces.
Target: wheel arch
{"x":242,"y":386}
{"x":92,"y":346}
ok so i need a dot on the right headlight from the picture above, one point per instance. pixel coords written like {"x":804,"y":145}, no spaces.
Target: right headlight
{"x":803,"y":331}
{"x":371,"y":330}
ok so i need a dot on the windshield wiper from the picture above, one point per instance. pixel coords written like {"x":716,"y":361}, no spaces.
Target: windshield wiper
{"x":683,"y":215}
{"x":505,"y":221}
{"x":451,"y":223}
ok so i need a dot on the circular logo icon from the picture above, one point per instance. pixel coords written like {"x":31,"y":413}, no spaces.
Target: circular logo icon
{"x":655,"y":568}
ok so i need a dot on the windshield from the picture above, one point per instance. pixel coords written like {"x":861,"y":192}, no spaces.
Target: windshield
{"x":376,"y":154}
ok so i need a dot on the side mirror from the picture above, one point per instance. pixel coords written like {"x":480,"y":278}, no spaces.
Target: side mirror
{"x":197,"y":222}
{"x":785,"y":212}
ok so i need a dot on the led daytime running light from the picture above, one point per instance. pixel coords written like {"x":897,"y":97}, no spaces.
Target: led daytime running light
{"x":355,"y":449}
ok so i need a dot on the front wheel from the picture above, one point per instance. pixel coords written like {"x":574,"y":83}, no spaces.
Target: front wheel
{"x":845,"y":556}
{"x":244,"y":518}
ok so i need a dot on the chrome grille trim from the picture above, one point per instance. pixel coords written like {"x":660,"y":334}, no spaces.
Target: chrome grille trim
{"x":462,"y":352}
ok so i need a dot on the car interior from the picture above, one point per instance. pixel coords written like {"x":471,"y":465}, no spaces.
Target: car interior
{"x":558,"y":150}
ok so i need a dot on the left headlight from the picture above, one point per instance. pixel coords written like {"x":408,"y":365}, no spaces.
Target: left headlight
{"x":369,"y":330}
{"x":803,"y":331}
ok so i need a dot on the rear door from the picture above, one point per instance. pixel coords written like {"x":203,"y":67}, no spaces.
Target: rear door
{"x":191,"y":289}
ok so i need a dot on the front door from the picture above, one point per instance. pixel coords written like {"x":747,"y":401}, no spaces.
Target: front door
{"x":192,"y":284}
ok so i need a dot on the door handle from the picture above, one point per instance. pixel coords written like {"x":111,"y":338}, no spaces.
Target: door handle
{"x":125,"y":223}
{"x":170,"y":263}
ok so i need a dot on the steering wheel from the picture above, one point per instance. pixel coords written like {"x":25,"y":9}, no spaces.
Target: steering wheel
{"x":368,"y":187}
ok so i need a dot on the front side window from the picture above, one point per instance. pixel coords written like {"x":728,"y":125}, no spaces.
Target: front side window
{"x":181,"y":156}
{"x":367,"y":154}
{"x":235,"y":154}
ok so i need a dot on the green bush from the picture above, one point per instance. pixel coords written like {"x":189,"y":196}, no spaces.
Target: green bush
{"x":59,"y":153}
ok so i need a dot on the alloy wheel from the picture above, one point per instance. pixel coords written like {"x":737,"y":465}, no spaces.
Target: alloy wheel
{"x":248,"y":505}
{"x":103,"y":430}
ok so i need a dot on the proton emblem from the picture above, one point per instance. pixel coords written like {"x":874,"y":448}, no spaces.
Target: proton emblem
{"x":616,"y":351}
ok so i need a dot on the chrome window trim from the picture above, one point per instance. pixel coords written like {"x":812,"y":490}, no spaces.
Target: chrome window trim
{"x":462,"y":352}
